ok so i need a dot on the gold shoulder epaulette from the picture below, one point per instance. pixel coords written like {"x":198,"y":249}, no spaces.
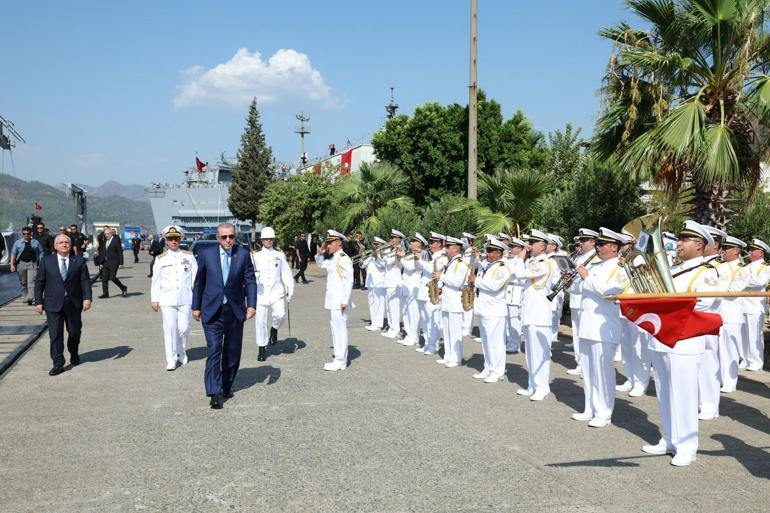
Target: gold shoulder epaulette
{"x":186,"y":252}
{"x":163,"y":254}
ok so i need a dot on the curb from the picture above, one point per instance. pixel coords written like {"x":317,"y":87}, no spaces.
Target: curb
{"x":10,"y":359}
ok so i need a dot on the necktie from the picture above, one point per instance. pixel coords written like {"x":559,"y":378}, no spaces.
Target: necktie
{"x":225,"y":271}
{"x":63,"y":269}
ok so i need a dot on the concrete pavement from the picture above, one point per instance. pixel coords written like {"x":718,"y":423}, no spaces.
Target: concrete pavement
{"x":394,"y":432}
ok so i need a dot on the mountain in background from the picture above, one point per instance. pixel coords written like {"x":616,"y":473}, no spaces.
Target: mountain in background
{"x":113,"y":188}
{"x":18,"y":197}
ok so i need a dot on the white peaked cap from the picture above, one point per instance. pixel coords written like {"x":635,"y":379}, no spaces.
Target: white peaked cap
{"x":420,"y":238}
{"x":694,"y":229}
{"x":587,"y":232}
{"x":493,"y":242}
{"x":503,"y":236}
{"x":334,"y":235}
{"x":379,"y":240}
{"x":469,"y":236}
{"x":453,"y":240}
{"x":518,"y":242}
{"x":607,"y":235}
{"x":715,"y":232}
{"x":397,"y":233}
{"x":758,"y":244}
{"x":267,"y":233}
{"x":435,"y":236}
{"x":173,"y":230}
{"x":733,"y":242}
{"x":538,"y":236}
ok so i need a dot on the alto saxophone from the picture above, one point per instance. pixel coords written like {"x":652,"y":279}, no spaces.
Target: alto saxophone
{"x":468,"y":292}
{"x":434,"y":291}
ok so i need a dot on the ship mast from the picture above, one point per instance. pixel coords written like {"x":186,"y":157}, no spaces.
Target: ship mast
{"x":392,"y":107}
{"x":8,"y":142}
{"x":302,"y":130}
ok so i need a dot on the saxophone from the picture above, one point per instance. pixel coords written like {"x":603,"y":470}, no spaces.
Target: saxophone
{"x":434,"y":291}
{"x":468,"y":291}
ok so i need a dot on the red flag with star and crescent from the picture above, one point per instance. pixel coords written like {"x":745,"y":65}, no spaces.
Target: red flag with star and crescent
{"x":200,"y":165}
{"x":671,"y":319}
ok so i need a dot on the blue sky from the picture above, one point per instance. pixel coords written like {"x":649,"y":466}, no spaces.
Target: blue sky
{"x":130,"y":91}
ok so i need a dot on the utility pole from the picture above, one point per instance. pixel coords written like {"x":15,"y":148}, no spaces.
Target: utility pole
{"x":472,"y":106}
{"x":302,"y":130}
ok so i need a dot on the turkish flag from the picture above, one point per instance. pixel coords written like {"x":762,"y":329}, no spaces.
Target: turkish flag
{"x":670,"y":319}
{"x":200,"y":165}
{"x":317,"y":169}
{"x":38,"y":206}
{"x":346,"y":163}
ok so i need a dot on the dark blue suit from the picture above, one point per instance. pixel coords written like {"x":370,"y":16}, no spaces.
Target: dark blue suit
{"x":223,"y":322}
{"x":62,"y":301}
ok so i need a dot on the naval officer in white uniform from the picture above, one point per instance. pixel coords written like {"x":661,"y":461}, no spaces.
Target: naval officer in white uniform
{"x":430,"y":268}
{"x":375,"y":284}
{"x":451,"y":281}
{"x":173,"y":274}
{"x":412,"y":283}
{"x":393,"y":285}
{"x":274,"y":284}
{"x":514,"y":292}
{"x":756,"y":275}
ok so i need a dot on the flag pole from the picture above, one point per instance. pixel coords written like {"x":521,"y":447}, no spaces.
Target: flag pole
{"x":666,"y":295}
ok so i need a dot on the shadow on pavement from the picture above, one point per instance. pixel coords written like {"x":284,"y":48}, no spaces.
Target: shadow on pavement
{"x":607,"y":462}
{"x":197,"y":353}
{"x":247,"y":378}
{"x":745,"y":414}
{"x":635,"y":421}
{"x":754,"y":459}
{"x":568,"y":393}
{"x":517,"y":374}
{"x":286,"y":346}
{"x":753,"y":387}
{"x":353,"y":353}
{"x":108,"y":353}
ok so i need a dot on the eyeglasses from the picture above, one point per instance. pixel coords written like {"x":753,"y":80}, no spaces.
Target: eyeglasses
{"x":229,"y":236}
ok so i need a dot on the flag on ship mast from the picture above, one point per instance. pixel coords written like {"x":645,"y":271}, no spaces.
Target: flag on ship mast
{"x":200,"y":165}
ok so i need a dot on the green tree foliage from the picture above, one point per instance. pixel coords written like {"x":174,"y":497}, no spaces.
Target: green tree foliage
{"x":431,"y":147}
{"x":754,"y":221}
{"x":438,"y":216}
{"x":253,"y":171}
{"x":688,"y":100}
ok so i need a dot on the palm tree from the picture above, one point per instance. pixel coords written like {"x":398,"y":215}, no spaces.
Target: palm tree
{"x":688,"y":100}
{"x":375,"y":191}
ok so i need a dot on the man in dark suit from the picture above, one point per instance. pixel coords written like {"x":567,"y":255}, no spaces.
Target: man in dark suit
{"x":303,"y":253}
{"x":63,"y":290}
{"x":224,"y":280}
{"x":111,"y":254}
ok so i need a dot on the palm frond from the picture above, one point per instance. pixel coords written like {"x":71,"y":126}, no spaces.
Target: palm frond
{"x":721,"y":163}
{"x":682,"y":130}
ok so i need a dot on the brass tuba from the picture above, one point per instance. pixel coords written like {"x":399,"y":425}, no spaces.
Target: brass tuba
{"x":647,"y":264}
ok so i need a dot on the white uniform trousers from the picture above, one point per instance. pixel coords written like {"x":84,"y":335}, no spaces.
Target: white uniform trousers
{"x":377,"y":305}
{"x":598,"y":360}
{"x":538,"y":354}
{"x":411,"y":318}
{"x":513,"y":329}
{"x":556,"y":319}
{"x":339,"y":323}
{"x":729,"y":341}
{"x":422,"y":306}
{"x":453,"y":336}
{"x":279,"y":314}
{"x":176,"y":331}
{"x":493,"y":344}
{"x":467,"y":323}
{"x":754,"y":343}
{"x":708,"y":377}
{"x":432,"y":327}
{"x":676,"y":385}
{"x":393,"y":299}
{"x":574,"y":314}
{"x":635,"y":354}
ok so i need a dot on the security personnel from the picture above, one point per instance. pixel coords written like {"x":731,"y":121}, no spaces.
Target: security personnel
{"x":600,"y":327}
{"x":731,"y":310}
{"x":756,"y":275}
{"x":538,"y":278}
{"x":173,"y":274}
{"x":339,"y":285}
{"x":274,"y":283}
{"x":492,"y":310}
{"x":375,"y":285}
{"x":412,"y":282}
{"x":451,"y":281}
{"x":430,"y":268}
{"x":513,"y":295}
{"x":393,"y":286}
{"x":676,"y":369}
{"x":586,"y":247}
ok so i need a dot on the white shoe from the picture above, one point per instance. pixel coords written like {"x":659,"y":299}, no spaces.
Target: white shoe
{"x":583,"y":417}
{"x":599,"y":423}
{"x":577,"y":371}
{"x":493,"y":378}
{"x":428,"y":352}
{"x":407,"y":342}
{"x":482,"y":375}
{"x":742,"y":365}
{"x":477,"y":339}
{"x":625,"y":387}
{"x":538,"y":396}
{"x":420,"y":349}
{"x":524,"y":392}
{"x":466,"y":333}
{"x":638,"y":390}
{"x":334,"y":366}
{"x":753,"y":368}
{"x":708,"y":415}
{"x":727,"y":390}
{"x":682,"y":460}
{"x":372,"y":328}
{"x":442,"y":361}
{"x":390,"y":334}
{"x":171,"y":366}
{"x":183,"y":358}
{"x":452,"y":365}
{"x":659,"y":448}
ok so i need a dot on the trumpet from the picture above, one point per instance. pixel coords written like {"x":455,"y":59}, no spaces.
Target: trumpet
{"x":567,"y":276}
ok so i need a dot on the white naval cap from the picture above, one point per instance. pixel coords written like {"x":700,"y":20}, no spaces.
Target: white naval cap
{"x":396,"y":233}
{"x":625,"y":238}
{"x":494,"y":243}
{"x":173,"y":230}
{"x":469,"y":236}
{"x":694,"y":229}
{"x":555,"y":240}
{"x":733,"y":242}
{"x":758,"y":244}
{"x":267,"y":233}
{"x":420,"y":238}
{"x":378,"y":240}
{"x":537,"y":236}
{"x":518,"y":242}
{"x":587,"y":233}
{"x":332,"y":235}
{"x":671,"y":236}
{"x":607,"y":235}
{"x":437,"y":237}
{"x":453,"y":240}
{"x":488,"y":236}
{"x":716,"y":234}
{"x":503,"y":236}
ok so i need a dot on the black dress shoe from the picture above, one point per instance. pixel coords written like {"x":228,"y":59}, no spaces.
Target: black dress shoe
{"x":125,"y":292}
{"x":29,"y":302}
{"x":273,"y":336}
{"x":56,"y":371}
{"x":149,"y":275}
{"x":228,"y":394}
{"x":262,"y":356}
{"x":104,"y":296}
{"x":216,"y":402}
{"x":75,"y":360}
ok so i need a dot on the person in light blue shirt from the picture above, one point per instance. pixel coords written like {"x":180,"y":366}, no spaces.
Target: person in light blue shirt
{"x":26,"y":253}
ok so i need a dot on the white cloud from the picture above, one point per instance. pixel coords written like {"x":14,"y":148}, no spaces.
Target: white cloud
{"x":287,"y":74}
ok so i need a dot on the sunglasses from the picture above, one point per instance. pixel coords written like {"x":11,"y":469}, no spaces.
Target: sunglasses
{"x":229,"y":236}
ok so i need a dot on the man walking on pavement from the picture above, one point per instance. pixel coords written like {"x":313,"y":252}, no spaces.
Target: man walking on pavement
{"x":304,"y":254}
{"x":25,"y":255}
{"x":112,"y":259}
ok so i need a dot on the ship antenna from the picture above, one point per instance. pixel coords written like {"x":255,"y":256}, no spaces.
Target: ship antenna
{"x":302,"y":130}
{"x":392,"y":107}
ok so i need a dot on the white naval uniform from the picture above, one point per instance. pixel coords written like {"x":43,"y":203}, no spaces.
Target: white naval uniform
{"x":455,"y":275}
{"x":557,"y":305}
{"x":600,"y":329}
{"x":492,"y":310}
{"x":734,"y":320}
{"x":514,"y":292}
{"x":339,"y":285}
{"x":539,"y":276}
{"x":375,"y":284}
{"x":411,"y":282}
{"x":392,"y":282}
{"x":676,"y":369}
{"x":468,"y":314}
{"x":274,"y":282}
{"x":586,"y":260}
{"x":756,"y":276}
{"x":635,"y":352}
{"x":433,"y":322}
{"x":173,"y":274}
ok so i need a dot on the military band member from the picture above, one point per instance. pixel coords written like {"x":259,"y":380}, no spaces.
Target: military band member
{"x":514,"y":292}
{"x":756,"y":276}
{"x":375,"y":285}
{"x":470,"y":261}
{"x":434,"y":267}
{"x":412,"y":283}
{"x":492,"y":310}
{"x":586,"y":254}
{"x":451,"y":281}
{"x":731,"y":310}
{"x":538,"y":278}
{"x":676,"y":369}
{"x":173,"y":275}
{"x":600,"y":327}
{"x":274,"y":284}
{"x":339,"y":285}
{"x":554,"y":247}
{"x":393,"y":286}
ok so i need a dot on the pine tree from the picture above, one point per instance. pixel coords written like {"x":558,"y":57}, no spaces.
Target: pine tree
{"x":253,"y":171}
